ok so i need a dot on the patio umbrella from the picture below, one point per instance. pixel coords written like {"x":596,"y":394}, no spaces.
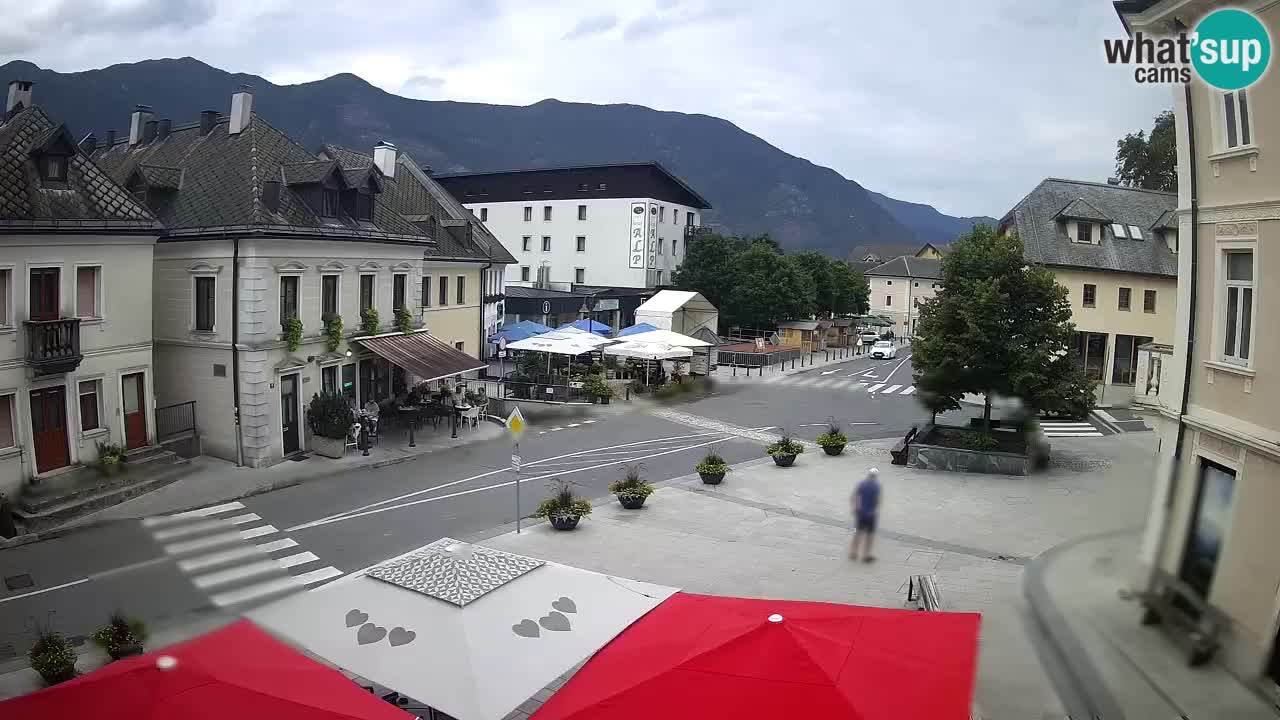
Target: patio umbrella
{"x":636,"y":329}
{"x":699,"y":656}
{"x":520,"y":331}
{"x":592,"y":326}
{"x":561,"y":342}
{"x":669,"y":337}
{"x":469,"y":630}
{"x":236,"y":672}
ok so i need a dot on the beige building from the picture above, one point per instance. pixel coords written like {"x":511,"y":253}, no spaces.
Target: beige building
{"x":75,"y":269}
{"x":1114,"y":249}
{"x":1214,"y":401}
{"x":898,"y":286}
{"x":258,"y":232}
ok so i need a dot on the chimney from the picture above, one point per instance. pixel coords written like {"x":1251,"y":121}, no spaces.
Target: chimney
{"x":384,"y":156}
{"x":162,"y":131}
{"x":149,"y":131}
{"x":141,"y":115}
{"x":111,"y":138}
{"x":19,"y":97}
{"x":241,"y":109}
{"x":271,"y":195}
{"x":1113,"y":181}
{"x":208,"y":118}
{"x":88,"y":144}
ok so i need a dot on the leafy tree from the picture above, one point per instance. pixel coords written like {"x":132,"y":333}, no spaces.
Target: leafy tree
{"x":1150,"y":161}
{"x":851,"y":295}
{"x":768,"y":287}
{"x":708,"y":267}
{"x":819,"y":269}
{"x":998,"y":326}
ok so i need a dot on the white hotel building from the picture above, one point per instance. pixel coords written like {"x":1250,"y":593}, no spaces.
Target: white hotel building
{"x":620,"y":225}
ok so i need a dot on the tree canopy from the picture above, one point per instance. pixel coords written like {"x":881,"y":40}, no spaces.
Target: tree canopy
{"x":1150,"y":161}
{"x":998,"y":326}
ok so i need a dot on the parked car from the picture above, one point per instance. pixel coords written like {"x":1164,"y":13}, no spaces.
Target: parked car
{"x":869,"y":336}
{"x":884,"y":349}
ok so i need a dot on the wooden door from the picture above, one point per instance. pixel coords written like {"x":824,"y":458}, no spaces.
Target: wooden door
{"x":49,"y":428}
{"x":134,"y":395}
{"x":45,"y":297}
{"x":289,"y":413}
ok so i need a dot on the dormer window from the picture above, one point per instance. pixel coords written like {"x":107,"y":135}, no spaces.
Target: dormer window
{"x":54,"y":168}
{"x":330,"y":203}
{"x":1084,"y":233}
{"x":364,"y":207}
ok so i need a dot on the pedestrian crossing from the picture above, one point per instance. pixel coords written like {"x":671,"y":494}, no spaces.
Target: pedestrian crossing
{"x":857,"y":382}
{"x":1062,"y":429}
{"x":234,"y":555}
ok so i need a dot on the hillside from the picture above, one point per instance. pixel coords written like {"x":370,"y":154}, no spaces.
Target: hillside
{"x":753,"y":186}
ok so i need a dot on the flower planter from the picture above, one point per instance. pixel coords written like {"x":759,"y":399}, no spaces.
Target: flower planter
{"x":122,"y":651}
{"x":833,"y":449}
{"x":110,"y":469}
{"x":711,"y":478}
{"x":329,"y":447}
{"x":604,"y":400}
{"x":631,"y":502}
{"x":784,"y":460}
{"x":62,"y":675}
{"x":564,"y":522}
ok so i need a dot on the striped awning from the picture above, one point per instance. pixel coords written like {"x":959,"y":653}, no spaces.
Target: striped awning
{"x":422,"y":354}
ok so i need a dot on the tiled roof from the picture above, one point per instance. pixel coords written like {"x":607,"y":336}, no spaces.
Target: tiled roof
{"x":1080,"y":209}
{"x":89,"y":199}
{"x":1045,"y":238}
{"x":305,"y":173}
{"x":165,"y":178}
{"x":909,"y":267}
{"x":1167,"y":220}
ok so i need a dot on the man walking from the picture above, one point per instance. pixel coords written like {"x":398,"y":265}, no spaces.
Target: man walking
{"x":866,"y":510}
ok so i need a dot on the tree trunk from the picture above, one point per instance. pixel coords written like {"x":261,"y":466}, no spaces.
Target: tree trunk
{"x":986,"y":413}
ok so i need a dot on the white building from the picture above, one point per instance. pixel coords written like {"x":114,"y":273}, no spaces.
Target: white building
{"x":621,"y":225}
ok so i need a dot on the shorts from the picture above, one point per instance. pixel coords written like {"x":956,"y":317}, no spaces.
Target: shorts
{"x":865,"y":523}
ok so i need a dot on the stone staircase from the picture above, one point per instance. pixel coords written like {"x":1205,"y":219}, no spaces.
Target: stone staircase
{"x":62,"y":499}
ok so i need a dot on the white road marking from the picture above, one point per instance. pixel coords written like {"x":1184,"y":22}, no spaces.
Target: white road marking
{"x":891,"y":389}
{"x":897,"y":367}
{"x":189,"y":514}
{"x":44,"y":590}
{"x":253,"y":592}
{"x":828,"y":372}
{"x":587,"y":422}
{"x":1071,"y":435}
{"x":240,"y":572}
{"x":203,"y":562}
{"x":204,"y":543}
{"x":275,"y":545}
{"x":242,"y":519}
{"x":574,"y":424}
{"x":301,"y":558}
{"x":874,"y":388}
{"x":909,"y":390}
{"x":320,"y":575}
{"x":258,"y":531}
{"x":192,"y":529}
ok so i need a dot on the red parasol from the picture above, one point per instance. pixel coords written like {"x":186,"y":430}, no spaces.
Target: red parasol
{"x":699,"y":656}
{"x":237,"y":672}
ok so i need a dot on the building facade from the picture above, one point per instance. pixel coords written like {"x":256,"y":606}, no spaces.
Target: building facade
{"x":75,"y":268}
{"x":1210,"y":523}
{"x":898,"y":286}
{"x":620,"y":225}
{"x":1114,"y":249}
{"x":261,"y":235}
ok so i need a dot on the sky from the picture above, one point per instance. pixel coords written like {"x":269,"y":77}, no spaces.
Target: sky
{"x":964,"y":105}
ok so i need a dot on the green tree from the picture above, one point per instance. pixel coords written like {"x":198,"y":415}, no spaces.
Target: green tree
{"x":708,"y":268}
{"x":998,"y":326}
{"x":1150,"y":161}
{"x":768,"y":287}
{"x":819,"y":269}
{"x":851,"y":295}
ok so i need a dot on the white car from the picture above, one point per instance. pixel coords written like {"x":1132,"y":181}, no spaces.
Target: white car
{"x":884,"y":349}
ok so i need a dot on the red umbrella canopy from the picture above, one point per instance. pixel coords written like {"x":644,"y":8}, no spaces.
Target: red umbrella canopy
{"x":702,"y":656}
{"x":237,"y":672}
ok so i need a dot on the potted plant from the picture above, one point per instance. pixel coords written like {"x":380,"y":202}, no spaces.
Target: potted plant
{"x":293,"y":333}
{"x":596,"y":387}
{"x":404,"y":321}
{"x":330,"y":419}
{"x":369,"y":321}
{"x":332,"y":332}
{"x":121,"y":636}
{"x":53,"y":657}
{"x":712,"y":468}
{"x":784,"y":451}
{"x":631,"y":489}
{"x":111,"y":457}
{"x":833,"y":440}
{"x":564,"y":509}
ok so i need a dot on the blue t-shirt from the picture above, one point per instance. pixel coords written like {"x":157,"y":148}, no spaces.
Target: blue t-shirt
{"x":868,"y":493}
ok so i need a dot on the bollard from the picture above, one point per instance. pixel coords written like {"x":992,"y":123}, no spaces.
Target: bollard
{"x":411,"y":424}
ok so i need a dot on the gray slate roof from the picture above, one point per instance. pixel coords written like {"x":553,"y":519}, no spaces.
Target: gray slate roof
{"x":1080,"y":209}
{"x":88,"y":200}
{"x":1046,"y":241}
{"x":908,"y":267}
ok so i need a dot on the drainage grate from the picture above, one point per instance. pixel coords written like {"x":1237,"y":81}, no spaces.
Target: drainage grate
{"x":19,"y":582}
{"x":298,"y":457}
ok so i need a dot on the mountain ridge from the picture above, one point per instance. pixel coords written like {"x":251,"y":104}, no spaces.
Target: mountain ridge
{"x":752,"y":185}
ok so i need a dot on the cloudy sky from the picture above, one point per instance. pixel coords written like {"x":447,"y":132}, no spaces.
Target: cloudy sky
{"x":962,"y":105}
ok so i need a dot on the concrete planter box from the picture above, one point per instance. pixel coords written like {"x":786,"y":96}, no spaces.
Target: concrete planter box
{"x":329,"y":447}
{"x":933,"y":457}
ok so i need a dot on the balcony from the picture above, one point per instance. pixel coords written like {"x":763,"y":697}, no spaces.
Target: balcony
{"x":692,"y":232}
{"x":53,"y":346}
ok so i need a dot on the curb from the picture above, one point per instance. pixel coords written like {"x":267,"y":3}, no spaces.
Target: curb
{"x":1101,"y":417}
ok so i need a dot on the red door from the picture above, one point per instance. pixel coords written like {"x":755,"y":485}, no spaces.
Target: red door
{"x":49,"y":428}
{"x":44,"y":294}
{"x":134,"y":393}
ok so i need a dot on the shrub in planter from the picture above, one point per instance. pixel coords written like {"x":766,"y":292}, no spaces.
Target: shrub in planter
{"x":332,"y":332}
{"x":784,"y":451}
{"x":121,"y":636}
{"x":329,"y":418}
{"x":111,"y":457}
{"x":369,"y":322}
{"x":833,"y":440}
{"x":53,"y":657}
{"x":293,"y":333}
{"x":564,"y":509}
{"x":712,"y":468}
{"x":631,"y":489}
{"x":404,"y":321}
{"x":595,"y":386}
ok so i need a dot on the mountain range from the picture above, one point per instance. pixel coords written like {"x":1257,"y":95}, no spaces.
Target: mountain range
{"x":753,"y":186}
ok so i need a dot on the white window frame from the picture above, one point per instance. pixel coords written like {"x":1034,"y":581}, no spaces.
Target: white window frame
{"x":99,"y":294}
{"x":373,"y":294}
{"x":546,"y":213}
{"x":1227,"y":123}
{"x":524,"y":273}
{"x":580,"y":244}
{"x":546,"y":243}
{"x":526,"y":243}
{"x":582,"y":212}
{"x":580,"y":275}
{"x":1220,"y":298}
{"x":13,"y":424}
{"x":6,"y":318}
{"x":99,"y":388}
{"x":484,"y":214}
{"x":1135,"y":233}
{"x":888,"y":300}
{"x":338,"y":274}
{"x":195,"y":299}
{"x":407,"y":304}
{"x":1119,"y":231}
{"x":460,"y":284}
{"x":528,"y":213}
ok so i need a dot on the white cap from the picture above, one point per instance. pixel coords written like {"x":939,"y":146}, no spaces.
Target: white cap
{"x":873,"y":471}
{"x":775,"y":618}
{"x":166,"y":662}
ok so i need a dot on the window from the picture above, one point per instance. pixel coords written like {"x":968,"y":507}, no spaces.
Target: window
{"x":581,"y":243}
{"x":89,"y":399}
{"x":1239,"y":307}
{"x":288,"y":298}
{"x":524,"y":242}
{"x":888,"y":282}
{"x":1124,"y":364}
{"x":688,"y":219}
{"x":1118,"y":230}
{"x":364,"y":207}
{"x":87,"y":285}
{"x":54,"y":168}
{"x":659,"y":282}
{"x":582,"y":187}
{"x":1091,"y":348}
{"x":444,"y":291}
{"x":6,"y":284}
{"x":674,"y":251}
{"x":888,"y":301}
{"x":1149,"y":301}
{"x":1135,"y":232}
{"x":460,"y":346}
{"x":582,"y":212}
{"x":484,"y":214}
{"x":662,"y":213}
{"x":546,"y":243}
{"x":546,"y":213}
{"x":397,"y":291}
{"x":1236,"y":118}
{"x":7,"y":438}
{"x":328,"y":295}
{"x":1125,"y":298}
{"x":580,"y":275}
{"x":528,"y":213}
{"x":661,"y":242}
{"x":917,"y":284}
{"x":329,"y":379}
{"x":1084,"y":233}
{"x":426,"y":291}
{"x":329,"y":203}
{"x":1090,"y":295}
{"x":366,"y":292}
{"x":462,"y":289}
{"x":206,"y":303}
{"x":524,"y":273}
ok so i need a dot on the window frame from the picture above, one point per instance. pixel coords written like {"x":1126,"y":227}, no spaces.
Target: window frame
{"x":1149,"y":301}
{"x":424,"y":288}
{"x":373,"y":291}
{"x":484,"y":214}
{"x":580,"y":275}
{"x":1124,"y":299}
{"x":1223,"y":298}
{"x":6,"y":312}
{"x":580,"y":243}
{"x":546,"y":213}
{"x":336,"y":371}
{"x":296,"y":280}
{"x":526,"y":243}
{"x":99,"y":296}
{"x":13,"y":423}
{"x":528,"y":213}
{"x":337,"y":293}
{"x":400,"y":288}
{"x":524,"y":273}
{"x":888,"y":300}
{"x":461,"y":290}
{"x":330,"y":203}
{"x":582,"y":212}
{"x":46,"y":166}
{"x":460,"y":346}
{"x":1231,"y":124}
{"x":442,"y":291}
{"x":364,"y":206}
{"x":1089,"y":295}
{"x":96,"y":390}
{"x":546,"y":243}
{"x":1082,"y":229}
{"x":196,"y":303}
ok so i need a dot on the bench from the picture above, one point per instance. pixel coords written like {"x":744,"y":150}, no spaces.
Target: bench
{"x":1195,"y":624}
{"x":923,"y":591}
{"x":899,"y":450}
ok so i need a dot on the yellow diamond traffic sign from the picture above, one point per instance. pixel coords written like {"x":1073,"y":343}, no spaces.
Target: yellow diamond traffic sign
{"x":515,"y":422}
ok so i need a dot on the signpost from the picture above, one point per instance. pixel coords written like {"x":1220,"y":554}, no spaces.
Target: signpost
{"x":515,"y":426}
